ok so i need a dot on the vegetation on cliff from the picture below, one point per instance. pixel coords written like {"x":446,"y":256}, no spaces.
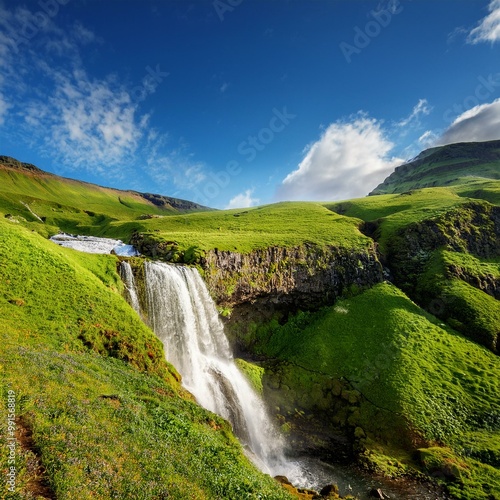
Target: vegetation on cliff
{"x":406,"y":381}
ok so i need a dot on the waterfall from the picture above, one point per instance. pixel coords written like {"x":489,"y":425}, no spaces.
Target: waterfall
{"x":127,"y":277}
{"x":184,"y":317}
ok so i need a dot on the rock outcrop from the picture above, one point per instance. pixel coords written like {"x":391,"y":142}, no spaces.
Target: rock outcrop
{"x":307,"y":275}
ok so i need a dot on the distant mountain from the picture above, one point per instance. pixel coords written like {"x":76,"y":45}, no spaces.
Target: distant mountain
{"x":444,"y":166}
{"x":31,"y":193}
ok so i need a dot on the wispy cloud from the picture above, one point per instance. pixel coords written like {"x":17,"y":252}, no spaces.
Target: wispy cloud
{"x":347,"y":161}
{"x":92,"y":123}
{"x":480,"y":123}
{"x":169,"y":164}
{"x":422,"y":108}
{"x":488,"y":30}
{"x":80,"y":122}
{"x":243,"y":200}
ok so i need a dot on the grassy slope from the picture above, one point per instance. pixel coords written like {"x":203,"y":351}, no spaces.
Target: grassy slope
{"x":445,"y":166}
{"x":69,"y":205}
{"x":410,"y":339}
{"x":282,"y":224}
{"x":404,"y":361}
{"x":110,"y":421}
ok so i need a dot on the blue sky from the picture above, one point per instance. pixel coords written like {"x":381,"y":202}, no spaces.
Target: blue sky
{"x":233,"y":103}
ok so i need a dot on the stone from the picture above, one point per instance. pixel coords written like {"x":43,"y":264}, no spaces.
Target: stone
{"x":377,"y":493}
{"x":330,"y":491}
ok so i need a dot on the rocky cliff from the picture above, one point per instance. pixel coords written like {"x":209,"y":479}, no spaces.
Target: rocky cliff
{"x":305,"y":275}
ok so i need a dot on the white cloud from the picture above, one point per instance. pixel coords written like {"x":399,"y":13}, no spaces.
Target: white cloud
{"x":346,"y":162}
{"x":480,"y":123}
{"x":427,"y":139}
{"x":243,"y":200}
{"x":224,"y":87}
{"x":168,"y":165}
{"x":488,"y":29}
{"x":4,"y":107}
{"x":89,"y":124}
{"x":422,"y":108}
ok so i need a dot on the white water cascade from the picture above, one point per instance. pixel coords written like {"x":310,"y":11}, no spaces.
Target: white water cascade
{"x":128,"y":279}
{"x":184,"y":317}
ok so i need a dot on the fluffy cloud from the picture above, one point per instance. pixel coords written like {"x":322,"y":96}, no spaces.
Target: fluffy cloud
{"x":480,"y":123}
{"x":347,"y":161}
{"x":488,"y":29}
{"x":243,"y":200}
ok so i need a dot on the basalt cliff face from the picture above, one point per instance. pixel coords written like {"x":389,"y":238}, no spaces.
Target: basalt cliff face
{"x":306,"y":275}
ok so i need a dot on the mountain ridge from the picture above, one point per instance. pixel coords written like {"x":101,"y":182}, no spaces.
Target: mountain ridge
{"x":444,"y":166}
{"x":158,"y":200}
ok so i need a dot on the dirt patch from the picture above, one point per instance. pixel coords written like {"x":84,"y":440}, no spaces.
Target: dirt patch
{"x":38,"y":485}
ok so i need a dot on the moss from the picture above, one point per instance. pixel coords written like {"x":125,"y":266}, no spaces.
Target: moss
{"x":253,"y":372}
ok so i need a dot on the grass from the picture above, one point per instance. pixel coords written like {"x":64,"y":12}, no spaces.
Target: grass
{"x":284,"y":224}
{"x":70,"y":205}
{"x":405,"y":363}
{"x":465,"y":307}
{"x":392,"y":212}
{"x":107,"y":415}
{"x":446,"y":166}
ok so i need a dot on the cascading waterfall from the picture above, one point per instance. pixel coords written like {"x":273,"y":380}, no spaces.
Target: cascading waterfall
{"x":128,"y":279}
{"x":184,"y":317}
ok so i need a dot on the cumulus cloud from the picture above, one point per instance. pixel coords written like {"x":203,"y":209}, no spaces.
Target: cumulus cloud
{"x":346,"y":162}
{"x":480,"y":123}
{"x":243,"y":200}
{"x":488,"y":30}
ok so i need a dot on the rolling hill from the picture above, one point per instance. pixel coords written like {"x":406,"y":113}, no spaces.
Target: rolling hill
{"x":445,"y":166}
{"x":75,"y":206}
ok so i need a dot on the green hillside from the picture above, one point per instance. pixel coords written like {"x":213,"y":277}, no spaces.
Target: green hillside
{"x":30,"y":194}
{"x":100,"y":413}
{"x":405,"y":367}
{"x":445,"y":166}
